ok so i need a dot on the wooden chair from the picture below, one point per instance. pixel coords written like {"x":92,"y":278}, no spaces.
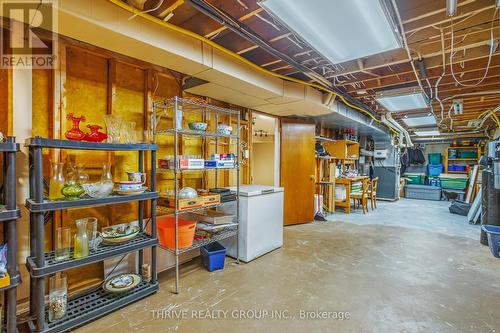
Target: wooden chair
{"x":372,"y":192}
{"x":362,"y":198}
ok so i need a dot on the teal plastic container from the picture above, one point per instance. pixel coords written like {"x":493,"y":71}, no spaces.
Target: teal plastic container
{"x":434,"y":158}
{"x":414,"y":178}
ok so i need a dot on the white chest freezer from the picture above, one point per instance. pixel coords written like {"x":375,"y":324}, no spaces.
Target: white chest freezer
{"x":261,"y":221}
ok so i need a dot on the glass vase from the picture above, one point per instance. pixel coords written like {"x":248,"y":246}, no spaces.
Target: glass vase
{"x":81,"y":248}
{"x":106,"y":176}
{"x":113,"y":127}
{"x":57,"y":182}
{"x":58,"y":296}
{"x":82,"y":176}
{"x":75,"y":133}
{"x":63,"y":244}
{"x":129,"y":132}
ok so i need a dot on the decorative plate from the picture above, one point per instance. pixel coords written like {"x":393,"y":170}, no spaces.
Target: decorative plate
{"x":122,"y":283}
{"x":119,"y":233}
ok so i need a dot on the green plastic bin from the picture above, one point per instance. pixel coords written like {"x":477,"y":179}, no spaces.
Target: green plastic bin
{"x":414,"y":178}
{"x":453,"y":181}
{"x":434,"y":158}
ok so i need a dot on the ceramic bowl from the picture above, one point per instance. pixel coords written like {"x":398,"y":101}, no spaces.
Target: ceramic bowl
{"x":224,"y":130}
{"x":198,"y":126}
{"x":187,"y":193}
{"x":98,"y":190}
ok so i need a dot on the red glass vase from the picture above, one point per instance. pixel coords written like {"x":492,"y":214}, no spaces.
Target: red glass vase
{"x":95,"y":135}
{"x":75,"y":133}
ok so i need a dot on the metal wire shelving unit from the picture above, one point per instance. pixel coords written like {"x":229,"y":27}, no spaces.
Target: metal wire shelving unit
{"x":8,"y":216}
{"x":174,"y":107}
{"x":97,"y":303}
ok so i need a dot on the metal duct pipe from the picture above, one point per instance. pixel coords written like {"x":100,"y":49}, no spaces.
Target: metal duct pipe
{"x":387,"y":119}
{"x":247,"y":33}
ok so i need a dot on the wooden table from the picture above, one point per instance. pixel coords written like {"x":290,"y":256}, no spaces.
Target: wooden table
{"x":347,"y":183}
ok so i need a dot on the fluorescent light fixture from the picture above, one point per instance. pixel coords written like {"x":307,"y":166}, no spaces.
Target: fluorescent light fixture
{"x":427,"y":132}
{"x":420,"y":121}
{"x":340,"y":30}
{"x":451,"y":7}
{"x":401,"y":100}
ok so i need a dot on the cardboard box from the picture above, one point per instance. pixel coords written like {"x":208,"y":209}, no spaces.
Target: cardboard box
{"x":193,"y":163}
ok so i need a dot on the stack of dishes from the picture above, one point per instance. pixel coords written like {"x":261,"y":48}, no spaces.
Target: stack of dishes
{"x":128,"y":187}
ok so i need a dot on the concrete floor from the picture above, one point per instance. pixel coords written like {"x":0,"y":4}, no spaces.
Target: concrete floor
{"x":408,"y":267}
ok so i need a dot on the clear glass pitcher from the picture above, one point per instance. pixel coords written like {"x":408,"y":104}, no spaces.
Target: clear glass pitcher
{"x":81,"y":239}
{"x":106,"y":176}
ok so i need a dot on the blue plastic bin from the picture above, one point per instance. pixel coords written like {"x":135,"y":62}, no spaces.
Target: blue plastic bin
{"x":435,"y":169}
{"x":213,"y":256}
{"x":493,"y":232}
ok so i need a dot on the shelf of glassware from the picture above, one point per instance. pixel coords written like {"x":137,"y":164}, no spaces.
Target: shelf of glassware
{"x":98,"y":303}
{"x":103,"y":252}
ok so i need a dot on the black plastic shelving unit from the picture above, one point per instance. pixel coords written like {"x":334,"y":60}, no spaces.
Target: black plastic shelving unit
{"x":8,"y":216}
{"x":40,"y":264}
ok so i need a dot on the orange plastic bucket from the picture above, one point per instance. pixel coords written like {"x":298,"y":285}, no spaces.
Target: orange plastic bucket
{"x":166,"y":232}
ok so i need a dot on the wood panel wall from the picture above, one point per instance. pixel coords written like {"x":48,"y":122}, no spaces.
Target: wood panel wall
{"x":94,"y":82}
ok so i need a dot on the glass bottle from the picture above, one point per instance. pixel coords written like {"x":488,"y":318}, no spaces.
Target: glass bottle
{"x":81,"y":239}
{"x":57,"y":182}
{"x":58,"y":296}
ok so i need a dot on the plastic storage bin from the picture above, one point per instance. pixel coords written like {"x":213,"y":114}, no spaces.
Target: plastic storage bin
{"x":423,"y":192}
{"x":493,"y":233}
{"x":467,"y":154}
{"x":434,"y":158}
{"x":213,"y":256}
{"x":449,"y":182}
{"x":166,"y":232}
{"x":414,"y":178}
{"x":434,"y":169}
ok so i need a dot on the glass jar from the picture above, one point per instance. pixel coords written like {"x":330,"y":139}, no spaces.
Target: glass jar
{"x":58,"y":296}
{"x":72,"y":190}
{"x":57,"y":182}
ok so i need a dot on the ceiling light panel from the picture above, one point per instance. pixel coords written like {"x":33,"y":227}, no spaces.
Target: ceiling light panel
{"x":427,"y":133}
{"x":420,"y":121}
{"x":339,"y":30}
{"x":402,"y":102}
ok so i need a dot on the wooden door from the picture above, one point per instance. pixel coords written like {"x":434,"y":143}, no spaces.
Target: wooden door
{"x":298,"y":170}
